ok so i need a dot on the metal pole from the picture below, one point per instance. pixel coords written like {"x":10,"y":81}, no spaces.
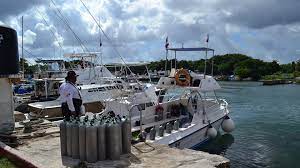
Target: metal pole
{"x":175,"y":61}
{"x":148,"y":74}
{"x":23,"y":49}
{"x":205,"y":59}
{"x":171,"y":63}
{"x":166,"y":63}
{"x":46,"y":88}
{"x":212,"y":64}
{"x":216,"y":97}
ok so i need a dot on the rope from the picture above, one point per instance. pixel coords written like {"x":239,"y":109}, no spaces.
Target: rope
{"x":108,"y":38}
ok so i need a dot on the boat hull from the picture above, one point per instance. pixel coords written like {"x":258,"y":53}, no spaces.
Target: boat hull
{"x":194,"y":138}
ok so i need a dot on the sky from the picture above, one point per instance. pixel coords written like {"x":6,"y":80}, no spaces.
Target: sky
{"x":137,"y":29}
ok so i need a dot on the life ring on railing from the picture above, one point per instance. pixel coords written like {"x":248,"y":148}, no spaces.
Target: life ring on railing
{"x":182,"y":77}
{"x":159,"y":111}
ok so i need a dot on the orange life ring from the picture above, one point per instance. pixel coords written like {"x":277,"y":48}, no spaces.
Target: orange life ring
{"x":182,"y":77}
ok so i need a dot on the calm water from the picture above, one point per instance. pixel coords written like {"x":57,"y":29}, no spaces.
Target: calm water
{"x":267,"y":122}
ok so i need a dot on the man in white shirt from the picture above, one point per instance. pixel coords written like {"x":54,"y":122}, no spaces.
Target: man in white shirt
{"x":71,"y":100}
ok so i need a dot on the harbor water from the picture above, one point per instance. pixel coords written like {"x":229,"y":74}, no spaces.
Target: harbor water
{"x":267,"y":122}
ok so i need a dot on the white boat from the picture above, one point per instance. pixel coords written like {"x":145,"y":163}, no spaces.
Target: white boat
{"x":92,"y":97}
{"x":96,"y":83}
{"x":182,"y":100}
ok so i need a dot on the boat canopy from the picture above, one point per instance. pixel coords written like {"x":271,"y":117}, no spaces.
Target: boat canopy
{"x":191,"y":49}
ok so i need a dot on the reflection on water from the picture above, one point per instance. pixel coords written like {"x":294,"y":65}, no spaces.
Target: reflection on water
{"x":219,"y":145}
{"x":267,"y":119}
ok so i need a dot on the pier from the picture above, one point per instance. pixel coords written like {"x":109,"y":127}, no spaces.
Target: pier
{"x":42,"y":149}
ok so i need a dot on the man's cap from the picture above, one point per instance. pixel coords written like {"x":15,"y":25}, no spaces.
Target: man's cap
{"x":71,"y":74}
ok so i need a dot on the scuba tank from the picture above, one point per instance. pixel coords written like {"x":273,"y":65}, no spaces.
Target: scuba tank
{"x":69,"y":138}
{"x":82,"y":144}
{"x":113,"y":140}
{"x":176,"y":125}
{"x":101,"y":141}
{"x":63,"y":138}
{"x":75,"y":139}
{"x":91,"y":143}
{"x":161,"y":130}
{"x":152,"y":133}
{"x":119,"y":121}
{"x":126,"y":135}
{"x":169,"y":128}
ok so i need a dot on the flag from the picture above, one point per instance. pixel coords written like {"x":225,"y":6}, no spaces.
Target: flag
{"x":207,"y":39}
{"x":167,"y":43}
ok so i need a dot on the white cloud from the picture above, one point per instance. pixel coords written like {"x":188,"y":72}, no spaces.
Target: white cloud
{"x":139,"y":27}
{"x":29,"y":37}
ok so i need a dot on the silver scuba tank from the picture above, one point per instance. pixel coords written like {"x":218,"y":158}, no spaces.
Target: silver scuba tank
{"x":101,"y":141}
{"x":126,"y":136}
{"x":63,"y":138}
{"x":91,"y":144}
{"x":152,"y":133}
{"x":161,"y":130}
{"x":82,"y":137}
{"x":75,"y":141}
{"x":169,"y":128}
{"x":176,"y":125}
{"x":69,"y":138}
{"x":113,"y":141}
{"x":119,"y":121}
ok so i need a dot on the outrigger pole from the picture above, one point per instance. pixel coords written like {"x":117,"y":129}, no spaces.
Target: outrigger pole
{"x":206,"y":55}
{"x":166,"y":63}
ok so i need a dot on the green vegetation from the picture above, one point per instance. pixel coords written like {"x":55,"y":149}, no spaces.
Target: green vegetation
{"x":240,"y":65}
{"x":5,"y":163}
{"x":29,"y":69}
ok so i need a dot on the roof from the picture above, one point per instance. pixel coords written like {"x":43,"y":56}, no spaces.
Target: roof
{"x":191,"y":49}
{"x":128,"y":64}
{"x":49,"y":61}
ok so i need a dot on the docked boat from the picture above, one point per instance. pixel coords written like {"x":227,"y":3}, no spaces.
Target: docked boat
{"x":92,"y":97}
{"x":179,"y":112}
{"x":96,"y":83}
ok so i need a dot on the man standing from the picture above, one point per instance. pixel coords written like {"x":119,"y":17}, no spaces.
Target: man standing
{"x":70,"y":97}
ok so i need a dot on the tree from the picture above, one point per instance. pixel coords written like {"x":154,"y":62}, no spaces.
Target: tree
{"x":28,"y":69}
{"x":242,"y":72}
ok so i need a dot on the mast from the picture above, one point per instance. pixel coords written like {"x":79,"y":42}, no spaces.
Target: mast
{"x":212,"y":64}
{"x":23,"y":70}
{"x":206,"y":55}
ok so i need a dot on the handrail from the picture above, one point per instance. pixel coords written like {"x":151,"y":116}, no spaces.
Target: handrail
{"x":141,"y":118}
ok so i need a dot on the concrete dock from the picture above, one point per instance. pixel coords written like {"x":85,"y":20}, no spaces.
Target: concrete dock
{"x":46,"y":152}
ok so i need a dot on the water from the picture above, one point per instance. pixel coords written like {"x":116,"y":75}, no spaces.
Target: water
{"x":267,"y":122}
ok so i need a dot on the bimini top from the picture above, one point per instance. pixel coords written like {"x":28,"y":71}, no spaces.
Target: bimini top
{"x":191,"y":49}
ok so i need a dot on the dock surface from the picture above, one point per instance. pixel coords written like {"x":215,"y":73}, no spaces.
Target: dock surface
{"x":46,"y":151}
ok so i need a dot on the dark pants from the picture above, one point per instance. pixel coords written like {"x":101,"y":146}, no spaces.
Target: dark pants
{"x":67,"y":113}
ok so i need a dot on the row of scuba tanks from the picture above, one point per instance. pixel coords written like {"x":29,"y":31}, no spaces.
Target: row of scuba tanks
{"x":96,"y":138}
{"x":164,"y":128}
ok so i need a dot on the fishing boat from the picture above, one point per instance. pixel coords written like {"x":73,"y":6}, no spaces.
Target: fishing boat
{"x":182,"y":111}
{"x":96,"y":83}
